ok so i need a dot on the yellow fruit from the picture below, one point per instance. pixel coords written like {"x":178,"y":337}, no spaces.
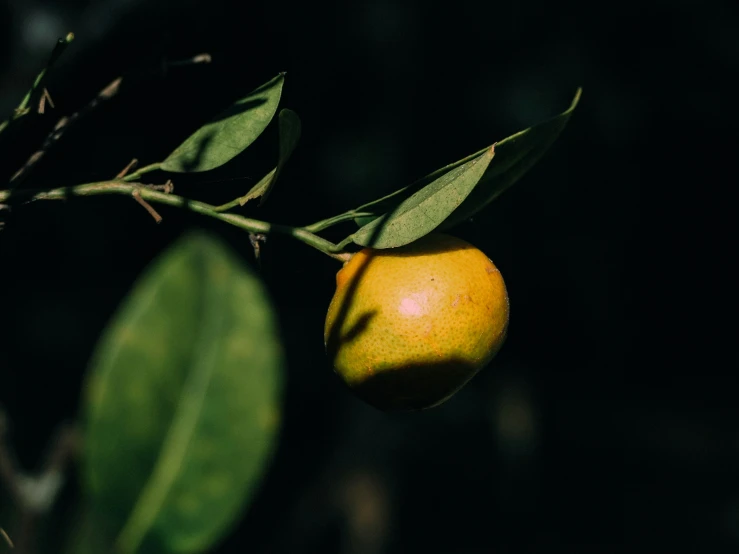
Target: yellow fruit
{"x":409,"y":326}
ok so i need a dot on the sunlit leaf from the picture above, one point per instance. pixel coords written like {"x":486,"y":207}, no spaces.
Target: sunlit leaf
{"x":514,"y":156}
{"x":182,"y":402}
{"x":426,"y":209}
{"x":229,"y":134}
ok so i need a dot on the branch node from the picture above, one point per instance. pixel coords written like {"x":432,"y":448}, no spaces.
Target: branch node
{"x":256,"y":240}
{"x":166,"y":188}
{"x":152,"y":212}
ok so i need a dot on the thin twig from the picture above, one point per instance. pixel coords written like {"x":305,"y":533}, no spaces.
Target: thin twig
{"x":200,"y":58}
{"x":166,"y":188}
{"x":148,"y":207}
{"x":131,"y":165}
{"x":64,"y":123}
{"x":45,"y":97}
{"x":6,"y":537}
{"x":61,"y":127}
{"x":61,"y":45}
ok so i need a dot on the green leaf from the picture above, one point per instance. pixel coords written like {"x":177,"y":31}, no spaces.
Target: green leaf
{"x":260,"y":188}
{"x":289,"y":135}
{"x":229,"y":134}
{"x":182,"y":402}
{"x":426,"y":209}
{"x":514,"y":156}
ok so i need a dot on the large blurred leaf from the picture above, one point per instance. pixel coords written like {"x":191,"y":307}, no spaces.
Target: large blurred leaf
{"x":514,"y":156}
{"x":289,"y":135}
{"x":182,"y":404}
{"x":425,"y":210}
{"x":229,"y":134}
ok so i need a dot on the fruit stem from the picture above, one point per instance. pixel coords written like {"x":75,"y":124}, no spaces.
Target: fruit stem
{"x":150,"y":193}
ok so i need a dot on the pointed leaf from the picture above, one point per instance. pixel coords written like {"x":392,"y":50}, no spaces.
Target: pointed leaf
{"x":514,"y":156}
{"x":290,"y":129}
{"x":229,"y":134}
{"x":289,"y":136}
{"x":426,"y":209}
{"x":182,"y":403}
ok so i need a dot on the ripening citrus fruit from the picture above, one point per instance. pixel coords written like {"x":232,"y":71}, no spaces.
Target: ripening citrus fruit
{"x":409,"y":326}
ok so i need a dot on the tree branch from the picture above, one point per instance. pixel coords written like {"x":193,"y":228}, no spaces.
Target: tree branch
{"x":64,"y":123}
{"x":61,"y":127}
{"x":150,"y":194}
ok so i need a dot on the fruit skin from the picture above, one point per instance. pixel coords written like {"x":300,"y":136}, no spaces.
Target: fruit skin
{"x":409,"y":326}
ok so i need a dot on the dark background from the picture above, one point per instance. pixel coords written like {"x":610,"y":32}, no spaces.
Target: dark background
{"x":608,"y":422}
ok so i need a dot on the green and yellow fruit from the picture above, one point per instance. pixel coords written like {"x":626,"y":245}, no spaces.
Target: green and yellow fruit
{"x":409,"y":326}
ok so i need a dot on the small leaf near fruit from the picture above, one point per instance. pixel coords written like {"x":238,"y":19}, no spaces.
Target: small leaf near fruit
{"x":514,"y":156}
{"x":426,"y":209}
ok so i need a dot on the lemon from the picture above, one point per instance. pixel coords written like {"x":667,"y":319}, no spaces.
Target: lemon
{"x":409,"y":326}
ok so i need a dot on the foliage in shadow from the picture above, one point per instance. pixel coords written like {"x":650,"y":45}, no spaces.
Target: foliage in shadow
{"x":359,"y":327}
